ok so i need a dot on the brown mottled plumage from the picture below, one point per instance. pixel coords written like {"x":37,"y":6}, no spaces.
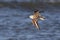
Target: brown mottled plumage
{"x":36,"y":15}
{"x":35,"y":18}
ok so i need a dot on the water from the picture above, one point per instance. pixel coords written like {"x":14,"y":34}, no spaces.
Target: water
{"x":16,"y":25}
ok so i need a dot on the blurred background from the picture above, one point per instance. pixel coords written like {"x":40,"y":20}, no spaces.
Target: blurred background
{"x":15,"y":23}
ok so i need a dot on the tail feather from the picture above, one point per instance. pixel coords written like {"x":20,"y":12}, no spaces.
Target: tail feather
{"x":37,"y":26}
{"x":35,"y":23}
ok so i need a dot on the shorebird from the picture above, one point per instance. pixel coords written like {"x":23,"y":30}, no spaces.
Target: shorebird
{"x":35,"y":17}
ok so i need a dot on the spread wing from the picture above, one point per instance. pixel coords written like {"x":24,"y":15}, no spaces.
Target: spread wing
{"x":31,"y":16}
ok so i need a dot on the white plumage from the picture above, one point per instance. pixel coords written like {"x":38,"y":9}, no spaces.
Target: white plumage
{"x":31,"y":16}
{"x":42,"y":19}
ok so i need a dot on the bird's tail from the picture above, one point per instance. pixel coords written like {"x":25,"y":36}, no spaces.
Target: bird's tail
{"x":35,"y":23}
{"x":37,"y":26}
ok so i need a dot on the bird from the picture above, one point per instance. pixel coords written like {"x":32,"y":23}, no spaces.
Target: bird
{"x":35,"y":17}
